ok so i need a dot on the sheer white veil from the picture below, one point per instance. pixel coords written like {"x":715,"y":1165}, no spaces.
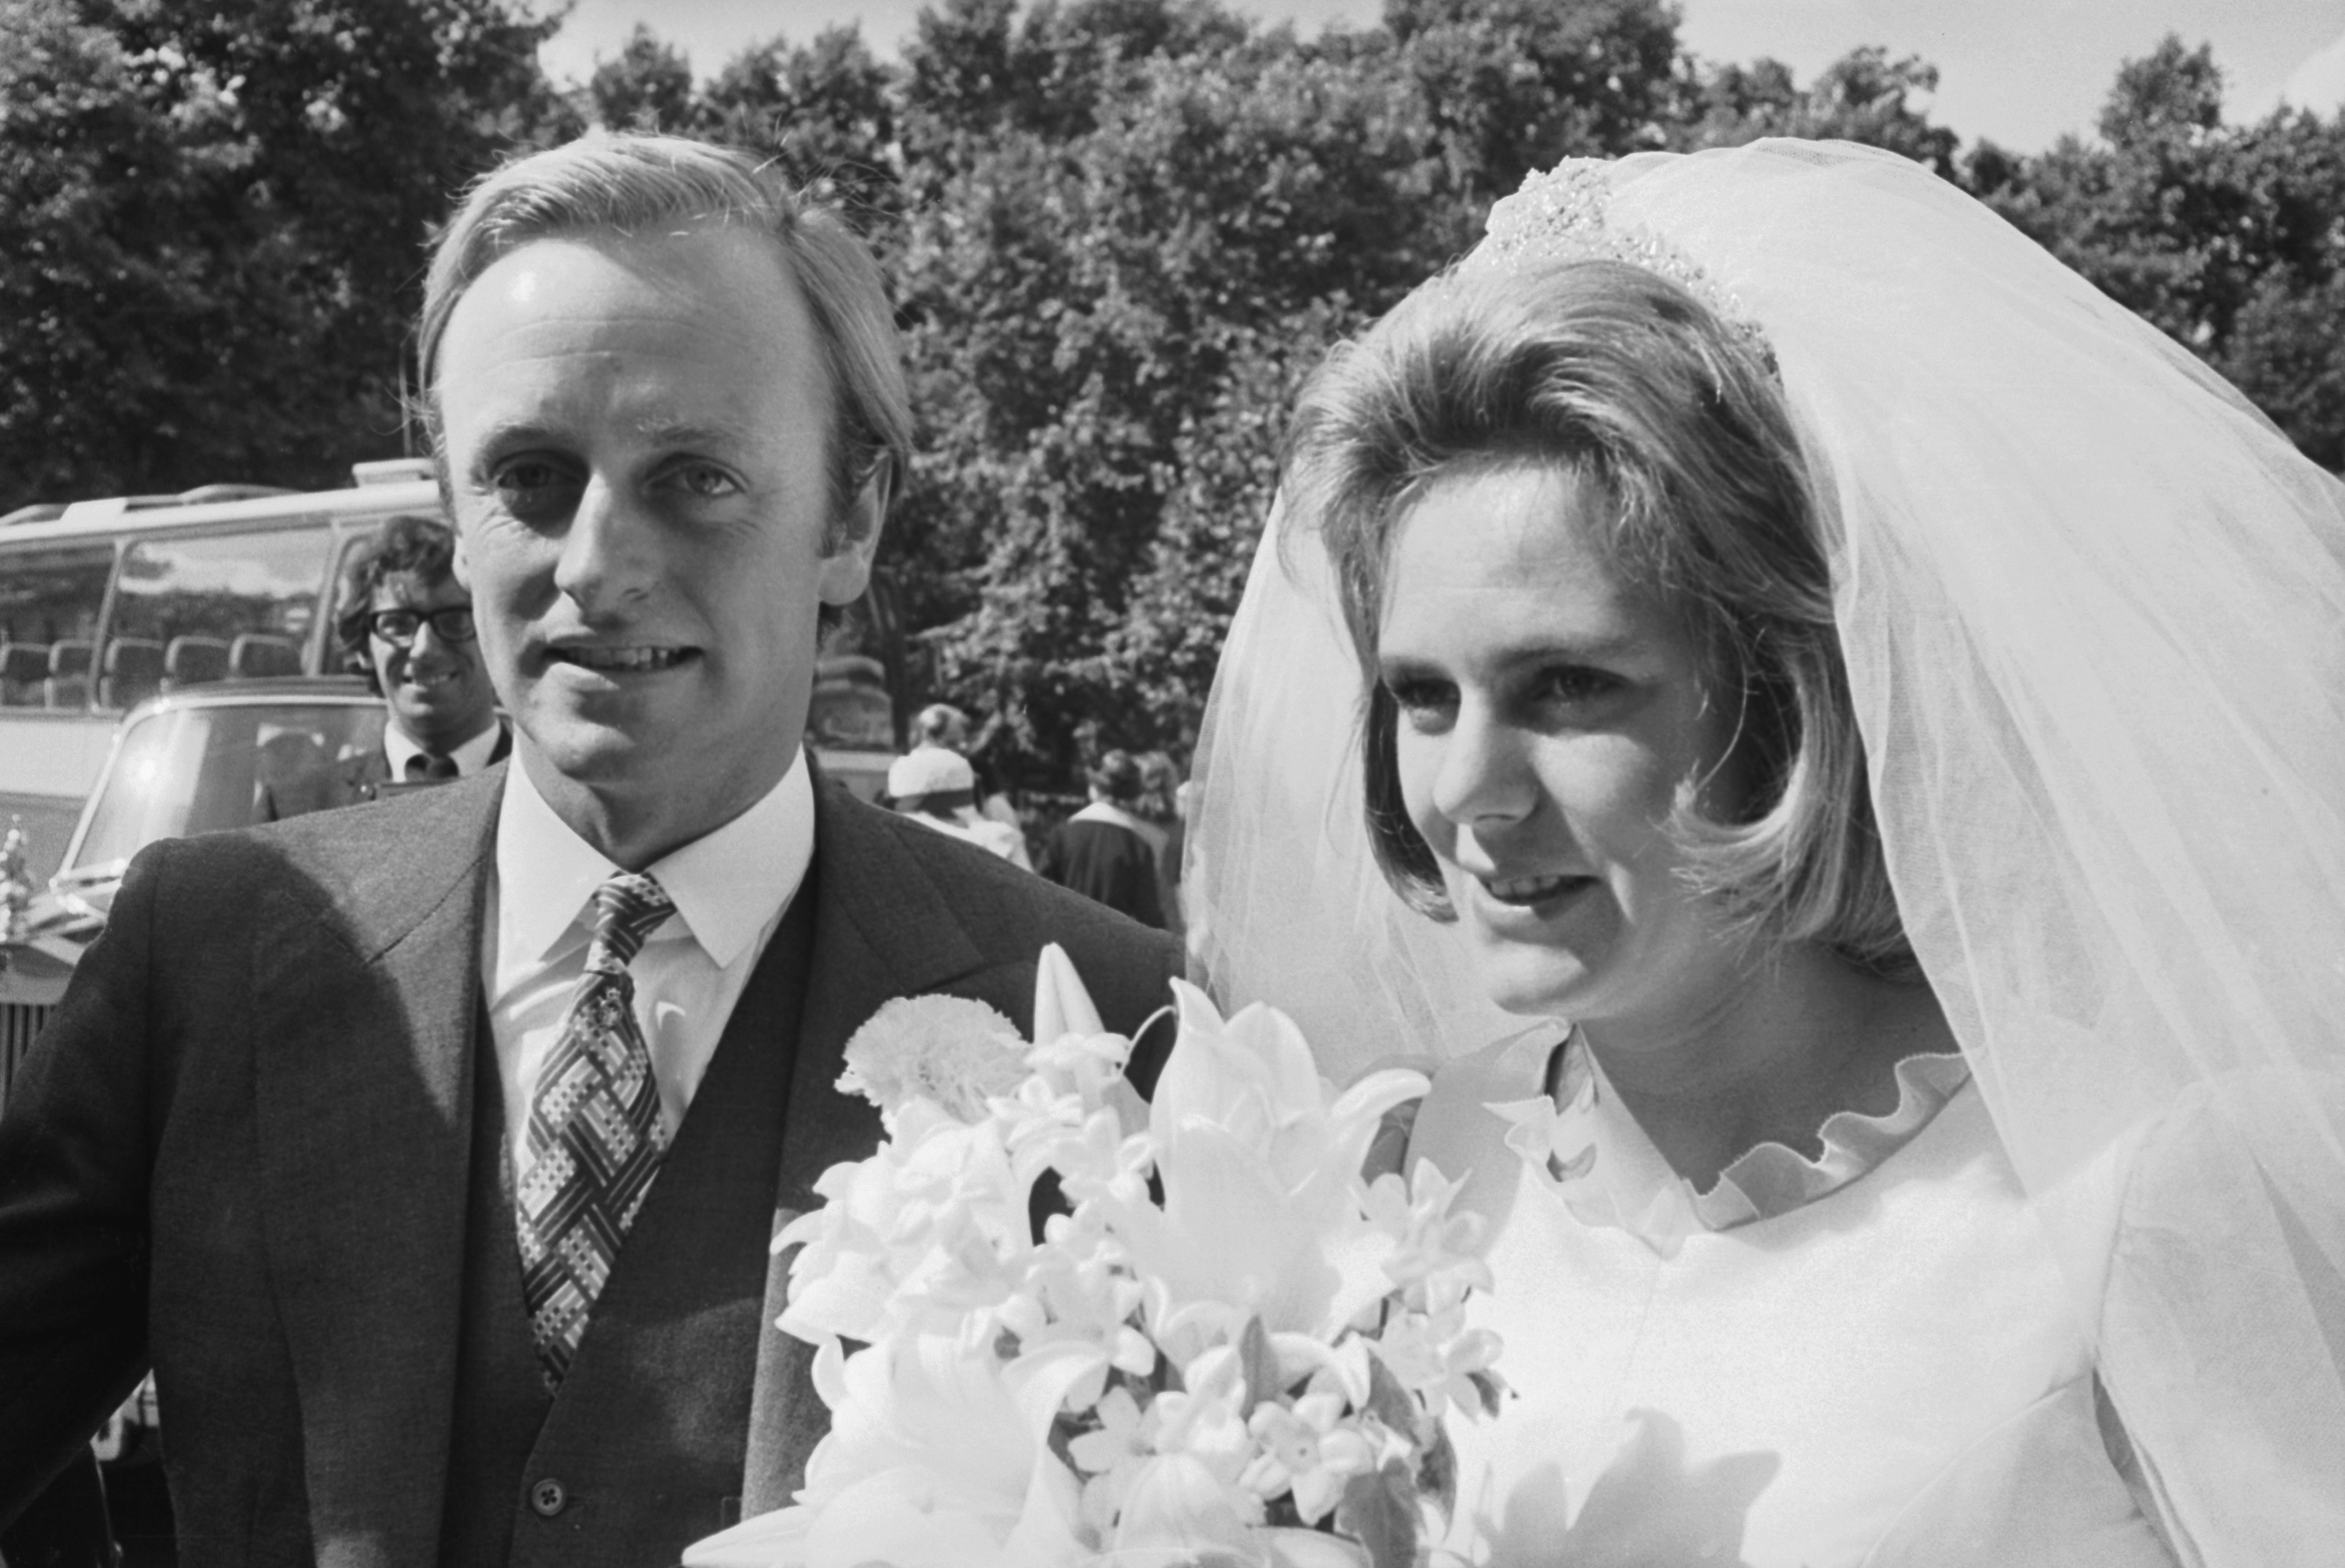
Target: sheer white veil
{"x":2093,"y":606}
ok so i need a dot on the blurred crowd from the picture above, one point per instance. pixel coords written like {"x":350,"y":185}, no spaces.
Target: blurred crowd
{"x":1122,"y":848}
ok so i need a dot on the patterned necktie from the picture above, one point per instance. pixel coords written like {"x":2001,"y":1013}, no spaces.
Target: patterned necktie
{"x":595,"y":1132}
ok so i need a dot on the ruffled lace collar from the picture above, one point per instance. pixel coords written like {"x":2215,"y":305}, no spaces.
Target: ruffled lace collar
{"x":1586,"y":1149}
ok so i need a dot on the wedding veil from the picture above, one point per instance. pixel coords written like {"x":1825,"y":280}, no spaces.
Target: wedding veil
{"x":2093,"y":606}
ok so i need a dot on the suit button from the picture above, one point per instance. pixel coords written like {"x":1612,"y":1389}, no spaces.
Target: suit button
{"x":548,"y":1498}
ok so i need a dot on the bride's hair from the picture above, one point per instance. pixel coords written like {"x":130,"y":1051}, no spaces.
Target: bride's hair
{"x":1614,"y":373}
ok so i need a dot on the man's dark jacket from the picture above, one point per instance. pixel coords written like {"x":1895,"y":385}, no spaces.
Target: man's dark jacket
{"x":243,"y":1151}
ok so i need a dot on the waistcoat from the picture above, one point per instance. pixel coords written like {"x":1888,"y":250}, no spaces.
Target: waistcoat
{"x":641,"y":1451}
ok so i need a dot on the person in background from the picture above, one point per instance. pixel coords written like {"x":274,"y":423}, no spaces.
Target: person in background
{"x":937,"y":788}
{"x":1107,"y":852}
{"x":1161,"y":804}
{"x":406,"y":624}
{"x":942,"y":725}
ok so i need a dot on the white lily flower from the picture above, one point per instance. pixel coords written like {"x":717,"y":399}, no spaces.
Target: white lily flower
{"x":1258,"y":1157}
{"x":935,"y":1458}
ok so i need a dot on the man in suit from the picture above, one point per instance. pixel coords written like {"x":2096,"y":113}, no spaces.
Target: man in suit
{"x":406,"y":623}
{"x":430,"y":1152}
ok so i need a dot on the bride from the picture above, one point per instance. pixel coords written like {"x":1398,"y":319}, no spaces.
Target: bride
{"x":1872,"y":707}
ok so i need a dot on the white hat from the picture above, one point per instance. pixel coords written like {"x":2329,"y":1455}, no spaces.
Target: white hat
{"x":929,"y":770}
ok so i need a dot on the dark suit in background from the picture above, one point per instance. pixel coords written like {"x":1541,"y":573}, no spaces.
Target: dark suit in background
{"x":346,"y":781}
{"x":1107,"y":864}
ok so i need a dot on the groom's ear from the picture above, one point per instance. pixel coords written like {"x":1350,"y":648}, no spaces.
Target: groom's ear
{"x":854,"y":537}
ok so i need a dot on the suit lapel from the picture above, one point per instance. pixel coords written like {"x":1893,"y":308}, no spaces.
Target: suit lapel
{"x":367,"y":994}
{"x":883,"y":928}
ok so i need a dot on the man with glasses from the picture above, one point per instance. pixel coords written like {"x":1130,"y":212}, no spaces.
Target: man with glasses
{"x":407,"y":623}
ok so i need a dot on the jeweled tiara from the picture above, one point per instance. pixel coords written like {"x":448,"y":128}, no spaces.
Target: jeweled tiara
{"x":1564,"y":213}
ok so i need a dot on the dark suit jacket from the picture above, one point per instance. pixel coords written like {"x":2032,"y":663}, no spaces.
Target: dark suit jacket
{"x":347,"y":780}
{"x":240,"y":1150}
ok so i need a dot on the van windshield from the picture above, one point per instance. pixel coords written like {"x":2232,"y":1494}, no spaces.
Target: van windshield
{"x":201,"y":769}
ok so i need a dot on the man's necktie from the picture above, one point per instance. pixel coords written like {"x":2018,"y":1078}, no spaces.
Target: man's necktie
{"x":595,"y":1132}
{"x":430,"y":767}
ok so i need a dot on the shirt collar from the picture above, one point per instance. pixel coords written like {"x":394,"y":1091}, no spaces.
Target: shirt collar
{"x":728,"y":886}
{"x":471,"y":757}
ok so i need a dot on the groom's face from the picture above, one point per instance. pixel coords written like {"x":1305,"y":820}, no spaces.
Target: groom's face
{"x":636,"y":436}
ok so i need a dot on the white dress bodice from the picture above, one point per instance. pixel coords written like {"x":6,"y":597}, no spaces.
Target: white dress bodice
{"x":1889,"y":1371}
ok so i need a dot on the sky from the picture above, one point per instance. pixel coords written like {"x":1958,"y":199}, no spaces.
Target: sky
{"x":2018,"y":72}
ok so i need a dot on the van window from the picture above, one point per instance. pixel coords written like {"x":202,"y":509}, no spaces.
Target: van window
{"x":49,"y":601}
{"x":198,"y":769}
{"x":226,"y":607}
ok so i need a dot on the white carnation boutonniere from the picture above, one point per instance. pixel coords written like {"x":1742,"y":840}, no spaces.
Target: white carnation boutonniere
{"x":949,"y":1050}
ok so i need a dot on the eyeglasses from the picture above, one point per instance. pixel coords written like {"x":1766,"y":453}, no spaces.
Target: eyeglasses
{"x":450,"y":624}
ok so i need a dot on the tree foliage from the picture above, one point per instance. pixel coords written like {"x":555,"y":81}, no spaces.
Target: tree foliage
{"x":2230,"y":238}
{"x":1085,"y":309}
{"x":647,"y":86}
{"x":212,"y":219}
{"x":1122,"y":233}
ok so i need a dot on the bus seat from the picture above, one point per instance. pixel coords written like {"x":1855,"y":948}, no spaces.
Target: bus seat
{"x":256,"y":654}
{"x":190,"y":661}
{"x":66,"y":685}
{"x":132,"y":670}
{"x":22,"y":667}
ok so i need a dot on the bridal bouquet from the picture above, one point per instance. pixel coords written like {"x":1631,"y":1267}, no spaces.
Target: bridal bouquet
{"x":1233,"y":1352}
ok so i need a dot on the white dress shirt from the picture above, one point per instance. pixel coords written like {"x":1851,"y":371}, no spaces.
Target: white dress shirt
{"x":469,"y":758}
{"x":730,"y":888}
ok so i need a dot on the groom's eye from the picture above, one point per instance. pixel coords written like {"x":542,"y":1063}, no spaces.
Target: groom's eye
{"x":536,"y":490}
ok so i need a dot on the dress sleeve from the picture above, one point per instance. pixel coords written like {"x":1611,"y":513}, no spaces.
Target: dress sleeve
{"x":2224,"y":1374}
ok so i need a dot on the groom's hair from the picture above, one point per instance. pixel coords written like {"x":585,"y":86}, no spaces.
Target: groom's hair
{"x":633,"y":184}
{"x":1618,"y":376}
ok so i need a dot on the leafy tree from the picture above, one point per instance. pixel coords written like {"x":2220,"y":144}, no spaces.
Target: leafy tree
{"x":1514,"y":85}
{"x":2287,"y":352}
{"x":2228,"y":238}
{"x":647,"y":86}
{"x":826,"y":110}
{"x":2140,"y":211}
{"x":966,"y":71}
{"x":211,"y":226}
{"x":1862,"y":96}
{"x":974,"y":68}
{"x":1087,"y":314}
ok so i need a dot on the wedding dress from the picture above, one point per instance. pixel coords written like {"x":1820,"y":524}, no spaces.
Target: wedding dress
{"x":1873,"y":1360}
{"x":2081,"y":1298}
